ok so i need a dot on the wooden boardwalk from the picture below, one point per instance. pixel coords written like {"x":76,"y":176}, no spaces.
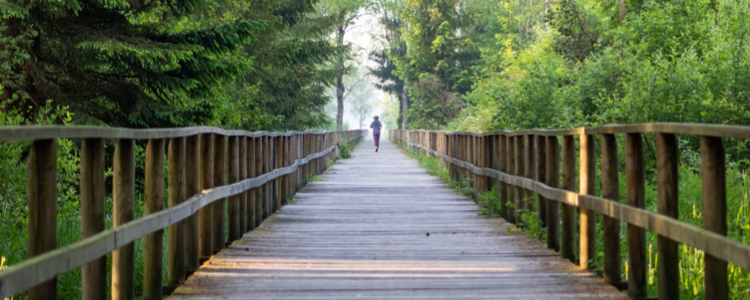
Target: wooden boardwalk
{"x":378,"y":226}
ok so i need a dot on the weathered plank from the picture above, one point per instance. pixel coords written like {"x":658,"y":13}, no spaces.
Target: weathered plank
{"x":380,"y":227}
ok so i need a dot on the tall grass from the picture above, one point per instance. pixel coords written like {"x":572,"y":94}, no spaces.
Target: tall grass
{"x":690,"y":211}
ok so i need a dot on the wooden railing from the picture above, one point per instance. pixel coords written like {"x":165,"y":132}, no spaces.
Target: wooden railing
{"x":263,"y":168}
{"x":528,"y":161}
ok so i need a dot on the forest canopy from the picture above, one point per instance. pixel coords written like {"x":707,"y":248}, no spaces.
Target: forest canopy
{"x":483,"y":65}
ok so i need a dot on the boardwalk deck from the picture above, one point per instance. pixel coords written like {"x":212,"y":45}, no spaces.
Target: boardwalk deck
{"x":377,"y":226}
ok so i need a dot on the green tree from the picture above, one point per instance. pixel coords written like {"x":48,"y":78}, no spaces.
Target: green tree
{"x":344,"y":12}
{"x":128,"y":63}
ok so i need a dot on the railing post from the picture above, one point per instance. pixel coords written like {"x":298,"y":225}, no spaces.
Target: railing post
{"x":611,"y":226}
{"x":233,"y":157}
{"x":637,"y":258}
{"x":480,"y":158}
{"x":176,"y":233}
{"x":553,"y":180}
{"x":123,"y":206}
{"x":512,"y":190}
{"x":541,"y":176}
{"x":42,"y":201}
{"x":528,"y":169}
{"x":268,"y":189}
{"x":567,"y":235}
{"x":260,"y":191}
{"x":714,"y":213}
{"x":502,"y":158}
{"x":520,"y":165}
{"x":667,"y":158}
{"x":220,"y":148}
{"x":94,"y":274}
{"x":251,"y":194}
{"x":275,"y":161}
{"x":207,"y":182}
{"x":153,"y":202}
{"x":244,"y":164}
{"x":192,"y":188}
{"x":587,"y":179}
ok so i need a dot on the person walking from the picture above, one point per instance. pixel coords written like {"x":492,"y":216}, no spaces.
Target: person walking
{"x":376,"y":125}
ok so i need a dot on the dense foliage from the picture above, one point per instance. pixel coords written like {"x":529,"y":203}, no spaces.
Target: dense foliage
{"x":561,"y":64}
{"x":250,"y":64}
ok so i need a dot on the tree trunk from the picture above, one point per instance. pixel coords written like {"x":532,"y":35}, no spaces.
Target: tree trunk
{"x":404,"y":106}
{"x":340,"y":81}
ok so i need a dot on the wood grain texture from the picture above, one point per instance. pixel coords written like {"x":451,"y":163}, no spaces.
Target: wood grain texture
{"x":153,"y":202}
{"x":611,"y":226}
{"x":713,"y":172}
{"x":42,"y":201}
{"x":94,"y":274}
{"x":568,"y":212}
{"x":123,"y":206}
{"x":636,"y":197}
{"x":587,"y":186}
{"x":667,"y":160}
{"x":192,"y":187}
{"x":207,"y":182}
{"x":362,"y":232}
{"x":176,"y":234}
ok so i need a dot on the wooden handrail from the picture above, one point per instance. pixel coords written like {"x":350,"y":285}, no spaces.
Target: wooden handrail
{"x":21,"y":133}
{"x":723,"y":131}
{"x":285,"y":173}
{"x":465,"y":156}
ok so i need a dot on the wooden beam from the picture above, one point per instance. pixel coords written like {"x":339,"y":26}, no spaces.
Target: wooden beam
{"x":611,"y":226}
{"x":153,"y":202}
{"x":714,"y":213}
{"x":93,"y":274}
{"x":207,"y":181}
{"x":41,"y":197}
{"x":123,"y":194}
{"x":667,"y":159}
{"x":192,"y":188}
{"x":177,"y":194}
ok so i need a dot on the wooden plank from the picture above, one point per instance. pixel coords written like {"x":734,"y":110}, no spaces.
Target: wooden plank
{"x":206,"y":227}
{"x":667,"y":158}
{"x":219,"y":207}
{"x":520,"y":164}
{"x":637,"y":259}
{"x":153,"y":202}
{"x":611,"y":226}
{"x":529,"y":170}
{"x":244,"y":165}
{"x":512,"y":190}
{"x":22,"y":133}
{"x":568,"y":233}
{"x":41,"y":197}
{"x":714,"y":213}
{"x":123,"y":206}
{"x":176,"y":195}
{"x":553,"y":180}
{"x":362,"y":232}
{"x":541,"y":175}
{"x":259,"y":192}
{"x":587,"y":186}
{"x":502,"y":158}
{"x":233,"y":203}
{"x":94,"y":274}
{"x":192,"y":188}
